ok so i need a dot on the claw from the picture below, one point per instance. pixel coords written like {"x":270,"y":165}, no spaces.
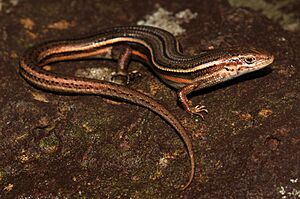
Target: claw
{"x":134,"y":74}
{"x":120,"y":78}
{"x":124,"y":78}
{"x":198,"y":110}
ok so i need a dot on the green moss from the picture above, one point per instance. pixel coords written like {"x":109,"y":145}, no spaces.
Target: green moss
{"x":49,"y":145}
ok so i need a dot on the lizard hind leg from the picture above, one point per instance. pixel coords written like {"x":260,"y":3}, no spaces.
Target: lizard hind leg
{"x":123,"y":54}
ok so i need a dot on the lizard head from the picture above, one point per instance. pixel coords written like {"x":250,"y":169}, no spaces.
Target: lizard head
{"x":245,"y":60}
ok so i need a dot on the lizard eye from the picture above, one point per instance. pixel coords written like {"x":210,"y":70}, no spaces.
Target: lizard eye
{"x":250,"y":60}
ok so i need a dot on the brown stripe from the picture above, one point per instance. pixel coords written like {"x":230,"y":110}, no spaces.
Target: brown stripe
{"x":176,"y":79}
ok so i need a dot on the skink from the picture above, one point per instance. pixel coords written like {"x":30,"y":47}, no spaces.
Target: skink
{"x":160,"y":50}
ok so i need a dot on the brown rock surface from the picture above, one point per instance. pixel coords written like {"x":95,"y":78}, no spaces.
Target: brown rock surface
{"x":82,"y":146}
